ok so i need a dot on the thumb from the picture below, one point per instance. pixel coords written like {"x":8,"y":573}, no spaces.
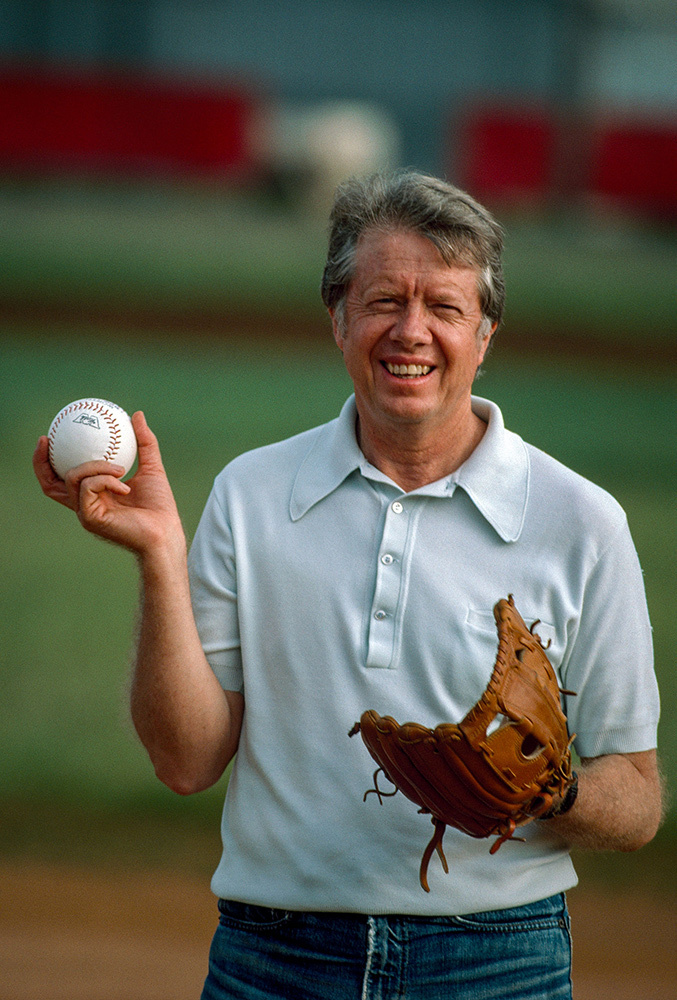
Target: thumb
{"x":149,"y":449}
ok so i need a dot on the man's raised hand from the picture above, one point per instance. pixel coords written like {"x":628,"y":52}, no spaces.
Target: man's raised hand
{"x":139,"y":514}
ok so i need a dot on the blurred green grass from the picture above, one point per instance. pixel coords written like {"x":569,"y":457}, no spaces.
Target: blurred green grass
{"x":68,"y":600}
{"x":130,"y":247}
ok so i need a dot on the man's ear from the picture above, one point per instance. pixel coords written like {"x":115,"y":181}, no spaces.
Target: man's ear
{"x":336,"y":327}
{"x":484,"y":346}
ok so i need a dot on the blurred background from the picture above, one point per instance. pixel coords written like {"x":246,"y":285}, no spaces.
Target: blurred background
{"x":165,"y":174}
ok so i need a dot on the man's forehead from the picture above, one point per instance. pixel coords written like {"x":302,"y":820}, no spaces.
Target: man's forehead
{"x":396,"y":252}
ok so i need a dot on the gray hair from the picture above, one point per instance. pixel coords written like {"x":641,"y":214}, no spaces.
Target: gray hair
{"x":460,"y":228}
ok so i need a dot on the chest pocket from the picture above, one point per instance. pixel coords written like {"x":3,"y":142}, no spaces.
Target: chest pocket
{"x":484,"y":621}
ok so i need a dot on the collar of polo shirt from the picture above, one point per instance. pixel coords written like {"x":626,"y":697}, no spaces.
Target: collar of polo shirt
{"x":495,"y":476}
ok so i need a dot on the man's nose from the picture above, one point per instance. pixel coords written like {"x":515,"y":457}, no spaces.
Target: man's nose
{"x":411,"y":327}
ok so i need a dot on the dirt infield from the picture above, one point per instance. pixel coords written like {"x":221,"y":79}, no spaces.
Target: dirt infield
{"x":78,"y":933}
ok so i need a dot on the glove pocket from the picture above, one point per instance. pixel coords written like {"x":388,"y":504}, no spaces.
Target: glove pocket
{"x":498,"y":775}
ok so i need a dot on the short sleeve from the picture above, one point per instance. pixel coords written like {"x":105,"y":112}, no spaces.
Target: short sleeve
{"x":610,"y":664}
{"x":213,"y":587}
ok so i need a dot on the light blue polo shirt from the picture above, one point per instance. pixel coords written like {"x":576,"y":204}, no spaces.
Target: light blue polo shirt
{"x":321,"y":590}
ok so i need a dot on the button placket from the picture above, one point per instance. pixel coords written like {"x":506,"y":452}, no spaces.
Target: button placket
{"x":388,"y":586}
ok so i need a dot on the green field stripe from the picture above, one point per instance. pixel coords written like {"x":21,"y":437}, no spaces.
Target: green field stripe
{"x":174,"y":249}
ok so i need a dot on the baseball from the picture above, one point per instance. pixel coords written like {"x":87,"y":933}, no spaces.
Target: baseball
{"x":89,"y":430}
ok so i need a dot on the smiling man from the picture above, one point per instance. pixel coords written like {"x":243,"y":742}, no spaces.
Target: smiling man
{"x":356,"y":566}
{"x":412,"y":335}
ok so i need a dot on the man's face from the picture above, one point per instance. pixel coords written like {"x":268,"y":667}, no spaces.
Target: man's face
{"x":410,"y":337}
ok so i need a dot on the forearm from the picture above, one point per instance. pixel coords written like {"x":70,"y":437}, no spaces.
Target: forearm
{"x":188,"y":724}
{"x":619,"y":804}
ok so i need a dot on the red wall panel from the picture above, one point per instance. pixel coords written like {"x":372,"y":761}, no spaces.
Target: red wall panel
{"x":65,"y":120}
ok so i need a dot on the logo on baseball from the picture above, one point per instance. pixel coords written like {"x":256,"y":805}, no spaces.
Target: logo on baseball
{"x":89,"y":430}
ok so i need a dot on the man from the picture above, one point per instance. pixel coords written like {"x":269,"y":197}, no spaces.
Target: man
{"x":356,"y":566}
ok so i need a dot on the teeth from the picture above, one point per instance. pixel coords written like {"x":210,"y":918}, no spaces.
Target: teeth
{"x":408,"y":370}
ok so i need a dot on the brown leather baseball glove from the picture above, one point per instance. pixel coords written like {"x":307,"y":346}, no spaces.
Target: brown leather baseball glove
{"x":483,"y":783}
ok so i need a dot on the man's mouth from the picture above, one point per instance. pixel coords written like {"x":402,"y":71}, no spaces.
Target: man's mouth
{"x":407,"y":371}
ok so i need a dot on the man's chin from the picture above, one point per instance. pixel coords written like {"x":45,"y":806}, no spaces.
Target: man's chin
{"x":405,"y":412}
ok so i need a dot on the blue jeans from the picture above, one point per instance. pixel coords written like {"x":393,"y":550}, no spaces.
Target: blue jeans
{"x":522,"y":953}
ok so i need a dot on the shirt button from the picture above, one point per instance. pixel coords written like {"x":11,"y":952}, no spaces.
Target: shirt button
{"x":386,"y":559}
{"x":380,"y":615}
{"x":397,"y":507}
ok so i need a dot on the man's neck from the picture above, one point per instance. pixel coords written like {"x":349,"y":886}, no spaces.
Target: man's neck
{"x":413,"y":458}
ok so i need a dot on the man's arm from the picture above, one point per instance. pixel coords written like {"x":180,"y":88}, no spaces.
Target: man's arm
{"x":188,"y":724}
{"x":619,"y":806}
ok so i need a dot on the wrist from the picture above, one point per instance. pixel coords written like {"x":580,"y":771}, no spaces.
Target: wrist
{"x":164,"y":558}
